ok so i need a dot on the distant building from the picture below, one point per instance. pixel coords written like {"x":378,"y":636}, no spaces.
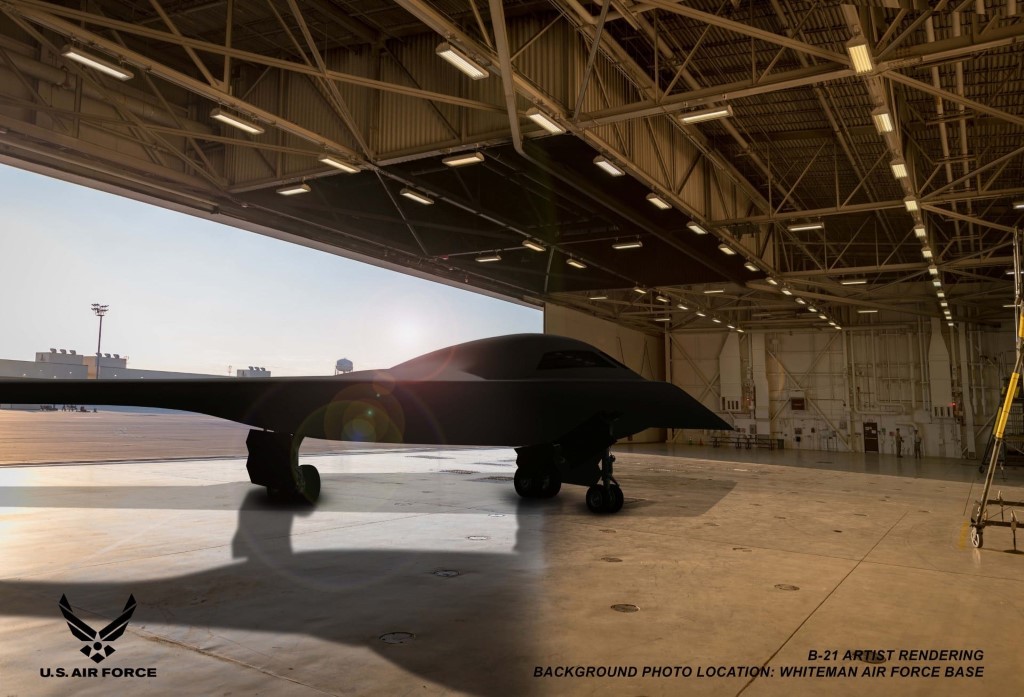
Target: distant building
{"x":252,"y":372}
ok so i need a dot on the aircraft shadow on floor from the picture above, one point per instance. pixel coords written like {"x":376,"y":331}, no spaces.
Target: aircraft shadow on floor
{"x":477,"y":632}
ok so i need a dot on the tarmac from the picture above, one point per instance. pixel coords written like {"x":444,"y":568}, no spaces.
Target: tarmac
{"x":728,"y":572}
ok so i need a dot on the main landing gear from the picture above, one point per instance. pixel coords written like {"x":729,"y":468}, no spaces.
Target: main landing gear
{"x":274,"y":463}
{"x":543,"y":469}
{"x":605,"y":497}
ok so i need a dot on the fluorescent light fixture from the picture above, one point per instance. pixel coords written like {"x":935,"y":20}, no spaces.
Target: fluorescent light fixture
{"x":701,"y":314}
{"x":937,"y":283}
{"x":801,"y":301}
{"x":662,"y":319}
{"x":811,"y":308}
{"x":79,"y":56}
{"x":658,"y":201}
{"x":853,"y":282}
{"x":899,"y":169}
{"x":339,"y":164}
{"x":718,"y":112}
{"x":460,"y":60}
{"x":713,"y":291}
{"x":940,"y":294}
{"x":632,"y":244}
{"x":866,"y":312}
{"x":911,"y":203}
{"x":920,"y":232}
{"x":933,"y":269}
{"x":832,"y":323}
{"x":949,"y":323}
{"x":750,"y":266}
{"x":716,"y":320}
{"x":416,"y":196}
{"x":883,"y":120}
{"x":598,"y":297}
{"x":740,"y":331}
{"x":662,"y":299}
{"x":926,"y":253}
{"x":694,"y":227}
{"x":293,"y":189}
{"x":236,"y":121}
{"x":470,"y":158}
{"x":860,"y":55}
{"x":1009,"y":272}
{"x":535,"y":246}
{"x":726,"y":249}
{"x":575,"y":263}
{"x":801,"y":227}
{"x":638,"y":289}
{"x":682,"y":306}
{"x":544,"y":121}
{"x":608,"y":166}
{"x":1018,"y":205}
{"x":943,"y":303}
{"x":786,"y":291}
{"x":772,"y":281}
{"x":1011,"y":305}
{"x":489,"y":258}
{"x":822,"y":317}
{"x":838,"y":327}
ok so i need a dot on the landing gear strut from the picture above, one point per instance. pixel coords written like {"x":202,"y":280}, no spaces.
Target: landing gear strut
{"x":605,"y":497}
{"x":274,"y":463}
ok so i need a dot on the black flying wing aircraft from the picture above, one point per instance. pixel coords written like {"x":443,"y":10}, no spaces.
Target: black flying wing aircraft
{"x":559,"y":402}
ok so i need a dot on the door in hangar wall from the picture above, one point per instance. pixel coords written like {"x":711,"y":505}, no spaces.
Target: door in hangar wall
{"x":871,"y":436}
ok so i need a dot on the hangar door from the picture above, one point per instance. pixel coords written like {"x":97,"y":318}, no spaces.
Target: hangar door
{"x":871,"y":436}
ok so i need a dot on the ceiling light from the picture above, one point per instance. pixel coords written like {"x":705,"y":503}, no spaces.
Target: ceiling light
{"x":943,"y":303}
{"x":460,"y":60}
{"x":713,"y":291}
{"x":949,"y":323}
{"x":658,"y":201}
{"x":911,"y":203}
{"x":598,"y":297}
{"x":718,"y":112}
{"x":899,"y":169}
{"x":883,"y":120}
{"x":802,"y":227}
{"x":940,"y":294}
{"x":853,"y":282}
{"x":662,"y":299}
{"x":716,"y":320}
{"x":740,"y":331}
{"x":811,"y":308}
{"x":608,"y":166}
{"x":489,"y":258}
{"x":466,"y":159}
{"x":726,"y":249}
{"x":801,"y":301}
{"x":1010,"y":305}
{"x":682,"y":306}
{"x":416,"y":196}
{"x":544,"y":121}
{"x":750,"y":266}
{"x":236,"y":121}
{"x":937,"y":283}
{"x":772,"y":281}
{"x":838,"y":327}
{"x":575,"y":263}
{"x":920,"y":232}
{"x":786,"y":291}
{"x":79,"y":56}
{"x":700,"y":314}
{"x":694,"y":227}
{"x":860,"y":55}
{"x":632,"y":244}
{"x":926,"y":253}
{"x":933,"y":270}
{"x":639,"y":290}
{"x":866,"y":312}
{"x":832,"y":323}
{"x":339,"y":164}
{"x":535,"y":246}
{"x":1018,"y":205}
{"x":662,"y":319}
{"x":293,"y":189}
{"x":822,"y":317}
{"x":731,"y":326}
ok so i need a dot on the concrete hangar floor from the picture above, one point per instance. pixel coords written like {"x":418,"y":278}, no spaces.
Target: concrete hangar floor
{"x":421,"y":572}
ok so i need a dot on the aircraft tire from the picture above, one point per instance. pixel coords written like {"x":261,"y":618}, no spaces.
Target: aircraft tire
{"x":596,"y":499}
{"x":525,"y":484}
{"x":310,"y":483}
{"x":615,"y":505}
{"x":977,"y":537}
{"x":549,"y":485}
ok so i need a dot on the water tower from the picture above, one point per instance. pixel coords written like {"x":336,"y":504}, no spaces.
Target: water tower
{"x":343,"y":365}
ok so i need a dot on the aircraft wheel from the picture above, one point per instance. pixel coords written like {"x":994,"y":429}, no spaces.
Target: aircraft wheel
{"x":977,"y":537}
{"x":310,"y":483}
{"x":596,"y":499}
{"x":548,"y":485}
{"x":525,"y":484}
{"x":615,"y":505}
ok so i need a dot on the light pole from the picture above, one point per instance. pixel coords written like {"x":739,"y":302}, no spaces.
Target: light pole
{"x":100,"y":310}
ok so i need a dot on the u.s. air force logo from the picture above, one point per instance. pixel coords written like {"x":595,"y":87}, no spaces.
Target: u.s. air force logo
{"x":98,"y":643}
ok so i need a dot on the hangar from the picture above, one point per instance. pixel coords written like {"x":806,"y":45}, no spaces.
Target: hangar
{"x":802,"y":213}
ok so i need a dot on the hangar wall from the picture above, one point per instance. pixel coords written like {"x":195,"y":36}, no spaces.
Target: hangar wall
{"x":641,"y":352}
{"x":823,"y":390}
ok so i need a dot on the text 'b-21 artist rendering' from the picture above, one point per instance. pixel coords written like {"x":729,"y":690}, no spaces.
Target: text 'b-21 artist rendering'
{"x":559,"y":402}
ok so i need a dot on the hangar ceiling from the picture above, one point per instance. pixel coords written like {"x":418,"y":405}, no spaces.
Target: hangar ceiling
{"x":810,"y":140}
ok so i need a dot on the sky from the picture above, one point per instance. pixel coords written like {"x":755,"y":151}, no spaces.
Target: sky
{"x":190,"y":295}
